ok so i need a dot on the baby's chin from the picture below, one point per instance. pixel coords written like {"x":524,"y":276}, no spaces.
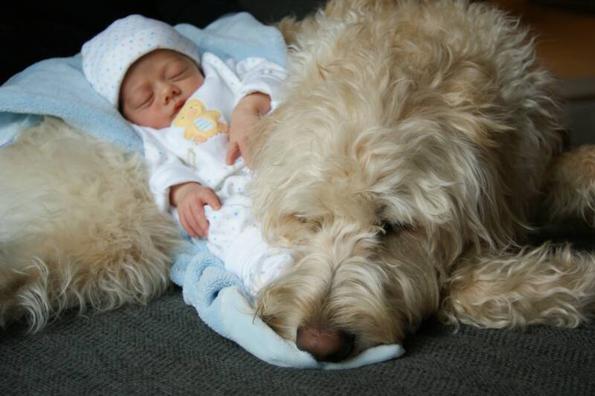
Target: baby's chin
{"x":157,"y":125}
{"x":169,"y":121}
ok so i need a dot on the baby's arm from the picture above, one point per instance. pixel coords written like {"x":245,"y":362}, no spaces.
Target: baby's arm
{"x":261,"y":90}
{"x":174,"y":184}
{"x":190,"y":199}
{"x":243,"y":118}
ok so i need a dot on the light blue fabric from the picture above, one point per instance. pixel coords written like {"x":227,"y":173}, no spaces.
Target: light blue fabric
{"x":220,"y":302}
{"x":239,"y":36}
{"x":58,"y":87}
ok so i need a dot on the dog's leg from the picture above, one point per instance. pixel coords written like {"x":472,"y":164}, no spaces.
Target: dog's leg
{"x":24,"y":294}
{"x":553,"y":286}
{"x":571,"y":186}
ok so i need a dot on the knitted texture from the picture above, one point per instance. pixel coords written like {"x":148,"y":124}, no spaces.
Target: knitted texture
{"x":108,"y":56}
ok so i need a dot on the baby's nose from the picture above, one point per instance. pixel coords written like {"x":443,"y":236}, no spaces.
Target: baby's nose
{"x":169,"y":91}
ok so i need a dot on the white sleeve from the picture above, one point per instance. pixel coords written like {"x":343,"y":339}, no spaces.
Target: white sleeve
{"x":165,"y":170}
{"x":260,"y":75}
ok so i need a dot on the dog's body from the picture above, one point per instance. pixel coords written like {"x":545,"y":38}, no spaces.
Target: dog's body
{"x":403,"y":166}
{"x":78,"y":227}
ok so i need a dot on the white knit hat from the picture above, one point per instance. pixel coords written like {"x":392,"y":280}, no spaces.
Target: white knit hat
{"x":107,"y":56}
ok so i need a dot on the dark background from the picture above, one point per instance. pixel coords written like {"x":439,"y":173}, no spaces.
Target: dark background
{"x":33,"y":31}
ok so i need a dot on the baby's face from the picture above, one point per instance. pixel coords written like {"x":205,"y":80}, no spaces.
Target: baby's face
{"x":156,"y":87}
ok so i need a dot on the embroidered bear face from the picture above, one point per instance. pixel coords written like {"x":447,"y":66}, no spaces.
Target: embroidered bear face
{"x":199,"y":123}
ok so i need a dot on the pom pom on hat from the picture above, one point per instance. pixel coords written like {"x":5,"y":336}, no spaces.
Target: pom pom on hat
{"x":107,"y":56}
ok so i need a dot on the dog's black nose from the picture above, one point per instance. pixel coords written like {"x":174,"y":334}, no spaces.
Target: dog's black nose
{"x":325,"y":345}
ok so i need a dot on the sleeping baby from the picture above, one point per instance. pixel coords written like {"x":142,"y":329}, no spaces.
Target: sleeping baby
{"x":193,"y":114}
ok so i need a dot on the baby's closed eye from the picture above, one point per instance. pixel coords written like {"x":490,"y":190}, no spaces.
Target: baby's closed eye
{"x":176,"y":71}
{"x":141,"y":99}
{"x":147,"y":101}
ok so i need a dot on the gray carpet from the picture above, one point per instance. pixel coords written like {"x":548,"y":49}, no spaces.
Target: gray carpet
{"x":164,"y":349}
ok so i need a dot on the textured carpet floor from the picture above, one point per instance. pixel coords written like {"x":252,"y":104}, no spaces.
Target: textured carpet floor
{"x":164,"y":349}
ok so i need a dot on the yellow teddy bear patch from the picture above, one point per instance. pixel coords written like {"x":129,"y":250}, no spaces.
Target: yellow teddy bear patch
{"x":199,"y":123}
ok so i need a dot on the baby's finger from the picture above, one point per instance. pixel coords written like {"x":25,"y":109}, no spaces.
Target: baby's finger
{"x":196,"y":213}
{"x":211,"y":199}
{"x":186,"y":225}
{"x":196,"y":224}
{"x":201,"y":220}
{"x":233,"y":152}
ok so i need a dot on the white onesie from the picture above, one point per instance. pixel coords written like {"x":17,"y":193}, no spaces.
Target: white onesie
{"x":194,"y":149}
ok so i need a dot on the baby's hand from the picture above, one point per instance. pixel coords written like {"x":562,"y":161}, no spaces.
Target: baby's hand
{"x":243,"y":118}
{"x":190,"y":199}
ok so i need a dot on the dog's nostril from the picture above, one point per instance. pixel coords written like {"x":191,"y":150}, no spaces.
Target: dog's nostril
{"x":325,"y":344}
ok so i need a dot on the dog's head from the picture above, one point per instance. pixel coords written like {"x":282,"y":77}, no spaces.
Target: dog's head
{"x":378,"y":174}
{"x":372,"y":209}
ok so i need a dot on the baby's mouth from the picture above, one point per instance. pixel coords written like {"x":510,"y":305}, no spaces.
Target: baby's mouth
{"x":178,"y":107}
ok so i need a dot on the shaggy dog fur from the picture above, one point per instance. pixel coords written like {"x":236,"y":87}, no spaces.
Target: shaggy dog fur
{"x":403,"y":167}
{"x":78,"y":227}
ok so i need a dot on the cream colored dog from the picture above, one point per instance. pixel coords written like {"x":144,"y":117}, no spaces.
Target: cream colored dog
{"x":415,"y":141}
{"x":403,"y":167}
{"x":78,"y":227}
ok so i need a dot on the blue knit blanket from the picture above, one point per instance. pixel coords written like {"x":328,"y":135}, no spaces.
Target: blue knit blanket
{"x":57,"y":87}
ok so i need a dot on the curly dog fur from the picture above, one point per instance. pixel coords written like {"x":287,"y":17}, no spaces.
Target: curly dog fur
{"x":403,"y":167}
{"x":415,"y":142}
{"x":79,"y":227}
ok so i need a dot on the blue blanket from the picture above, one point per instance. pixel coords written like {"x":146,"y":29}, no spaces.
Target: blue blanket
{"x":58,"y":88}
{"x":220,"y":301}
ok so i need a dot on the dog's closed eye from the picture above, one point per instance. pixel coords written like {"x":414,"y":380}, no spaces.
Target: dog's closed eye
{"x":388,"y":227}
{"x":388,"y":222}
{"x":312,"y":223}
